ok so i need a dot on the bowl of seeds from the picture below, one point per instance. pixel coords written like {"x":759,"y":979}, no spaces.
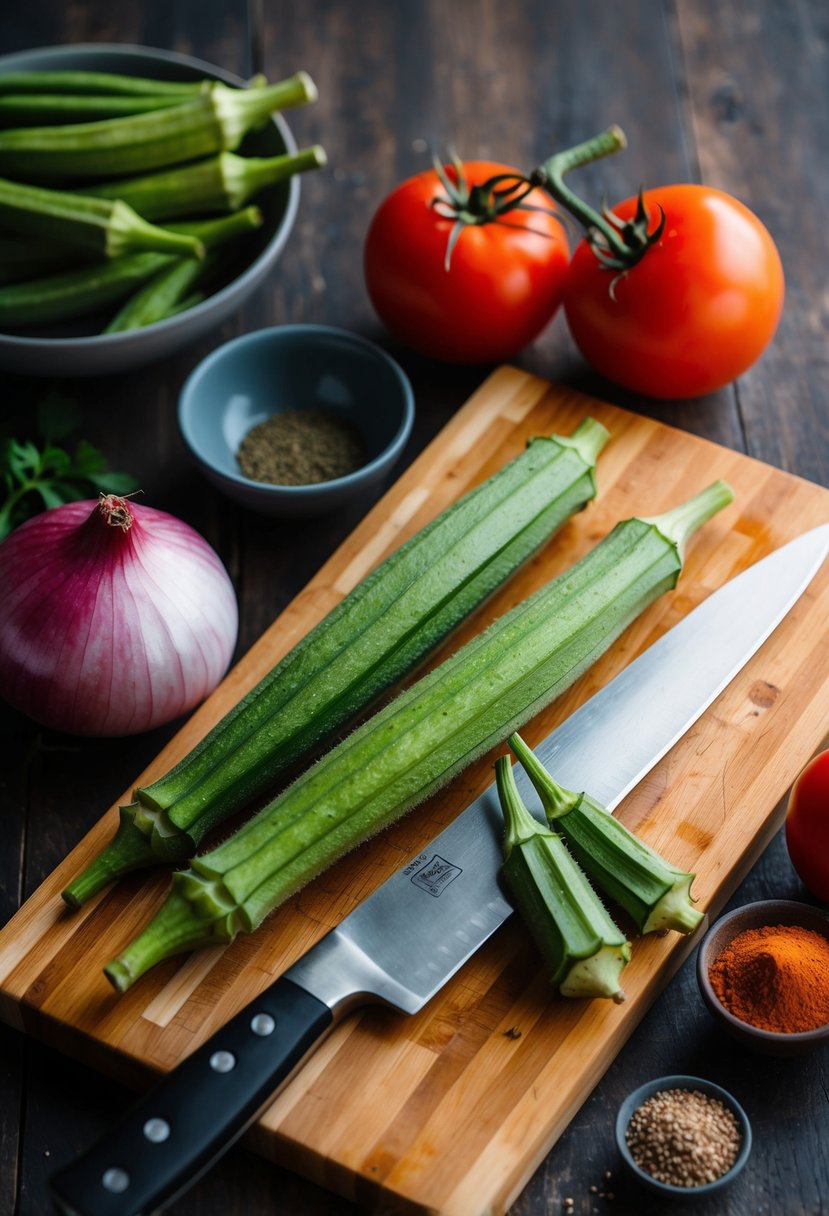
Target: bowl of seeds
{"x":296,"y":420}
{"x":683,"y":1136}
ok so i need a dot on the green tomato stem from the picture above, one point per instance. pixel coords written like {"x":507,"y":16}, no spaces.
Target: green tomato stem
{"x":617,"y":243}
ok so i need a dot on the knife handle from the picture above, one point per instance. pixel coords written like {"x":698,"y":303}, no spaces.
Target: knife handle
{"x":176,"y":1131}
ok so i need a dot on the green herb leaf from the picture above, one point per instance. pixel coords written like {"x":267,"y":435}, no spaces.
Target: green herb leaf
{"x":39,"y":473}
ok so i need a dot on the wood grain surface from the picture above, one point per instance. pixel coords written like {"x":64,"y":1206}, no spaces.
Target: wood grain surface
{"x":717,"y":90}
{"x":447,"y":1111}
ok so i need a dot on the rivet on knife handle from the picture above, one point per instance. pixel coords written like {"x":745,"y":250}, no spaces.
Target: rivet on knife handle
{"x":183,"y":1125}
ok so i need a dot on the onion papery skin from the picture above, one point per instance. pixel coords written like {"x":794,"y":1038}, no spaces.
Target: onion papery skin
{"x":110,"y":631}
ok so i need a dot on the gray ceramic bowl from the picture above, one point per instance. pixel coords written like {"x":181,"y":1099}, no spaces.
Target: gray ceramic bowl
{"x":294,"y":367}
{"x":753,"y":916}
{"x":77,"y":349}
{"x":640,"y":1095}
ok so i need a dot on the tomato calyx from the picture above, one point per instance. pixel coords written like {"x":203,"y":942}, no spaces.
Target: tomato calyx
{"x":635,"y":234}
{"x":482,"y":203}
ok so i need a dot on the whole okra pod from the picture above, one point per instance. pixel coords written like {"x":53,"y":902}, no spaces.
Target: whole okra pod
{"x":215,"y":120}
{"x":106,"y":227}
{"x":428,"y":734}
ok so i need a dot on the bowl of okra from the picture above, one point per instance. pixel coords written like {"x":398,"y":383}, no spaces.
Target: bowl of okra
{"x":121,"y":245}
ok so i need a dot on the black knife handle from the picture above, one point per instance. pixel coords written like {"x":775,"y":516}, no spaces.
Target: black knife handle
{"x":177,"y":1130}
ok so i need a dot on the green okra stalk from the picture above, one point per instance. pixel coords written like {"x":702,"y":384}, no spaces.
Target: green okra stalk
{"x":161,"y":296}
{"x":584,"y":952}
{"x":105,"y":227}
{"x":165,"y":291}
{"x":382,"y":629}
{"x":215,"y":120}
{"x":654,"y":893}
{"x":219,"y":183}
{"x":429,"y":733}
{"x":30,"y":109}
{"x":75,"y":293}
{"x":71,"y":82}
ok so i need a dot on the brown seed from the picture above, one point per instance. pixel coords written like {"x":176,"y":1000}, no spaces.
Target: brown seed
{"x":683,"y":1137}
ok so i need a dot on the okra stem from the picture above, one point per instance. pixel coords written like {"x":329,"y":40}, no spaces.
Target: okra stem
{"x":423,"y":738}
{"x":124,"y":853}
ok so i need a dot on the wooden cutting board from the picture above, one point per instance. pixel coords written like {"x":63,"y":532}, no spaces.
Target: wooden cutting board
{"x":451,"y":1111}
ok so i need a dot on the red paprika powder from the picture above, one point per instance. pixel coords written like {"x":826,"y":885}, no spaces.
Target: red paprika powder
{"x":775,"y":977}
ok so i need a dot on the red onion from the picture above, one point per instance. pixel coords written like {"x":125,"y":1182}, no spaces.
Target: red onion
{"x":114,"y":618}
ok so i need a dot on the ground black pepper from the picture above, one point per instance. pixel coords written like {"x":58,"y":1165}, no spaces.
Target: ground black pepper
{"x":300,"y":448}
{"x":683,"y":1137}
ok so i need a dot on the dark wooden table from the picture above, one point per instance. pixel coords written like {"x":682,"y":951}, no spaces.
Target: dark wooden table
{"x":716,"y":90}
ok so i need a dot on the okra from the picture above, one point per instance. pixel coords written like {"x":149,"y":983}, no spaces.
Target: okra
{"x":163,"y":293}
{"x":380,"y":631}
{"x":215,"y":120}
{"x":30,"y":109}
{"x":197,"y":297}
{"x":75,"y":293}
{"x":584,"y":952}
{"x":424,"y":737}
{"x":69,"y":82}
{"x":219,"y":183}
{"x":106,"y":227}
{"x":654,"y":893}
{"x":161,"y":296}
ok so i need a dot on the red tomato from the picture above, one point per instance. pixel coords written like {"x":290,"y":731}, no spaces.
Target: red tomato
{"x":807,"y":826}
{"x":695,"y":312}
{"x":504,"y":282}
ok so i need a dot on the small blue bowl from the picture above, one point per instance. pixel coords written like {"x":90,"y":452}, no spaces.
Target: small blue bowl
{"x":666,"y":1189}
{"x":295,"y":367}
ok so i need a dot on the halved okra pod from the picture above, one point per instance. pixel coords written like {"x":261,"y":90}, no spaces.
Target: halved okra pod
{"x":584,"y":952}
{"x":655,"y":894}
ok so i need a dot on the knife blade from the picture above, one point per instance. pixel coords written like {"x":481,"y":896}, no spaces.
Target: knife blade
{"x":407,"y":939}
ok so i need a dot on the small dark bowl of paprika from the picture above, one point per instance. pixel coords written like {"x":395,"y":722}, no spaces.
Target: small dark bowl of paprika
{"x":763,"y":972}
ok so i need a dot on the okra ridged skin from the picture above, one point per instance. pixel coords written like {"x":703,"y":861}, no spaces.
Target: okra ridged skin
{"x":96,"y":285}
{"x":655,"y":894}
{"x":429,"y":733}
{"x":105,"y":227}
{"x":30,"y":109}
{"x":584,"y":952}
{"x":167,"y":289}
{"x":218,"y":183}
{"x":377,"y":634}
{"x":215,"y":120}
{"x":72,"y":82}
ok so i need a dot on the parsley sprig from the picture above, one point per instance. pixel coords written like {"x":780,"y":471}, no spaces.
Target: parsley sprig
{"x":39,"y":473}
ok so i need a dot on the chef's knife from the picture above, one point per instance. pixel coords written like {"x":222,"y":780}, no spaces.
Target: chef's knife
{"x":402,"y":943}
